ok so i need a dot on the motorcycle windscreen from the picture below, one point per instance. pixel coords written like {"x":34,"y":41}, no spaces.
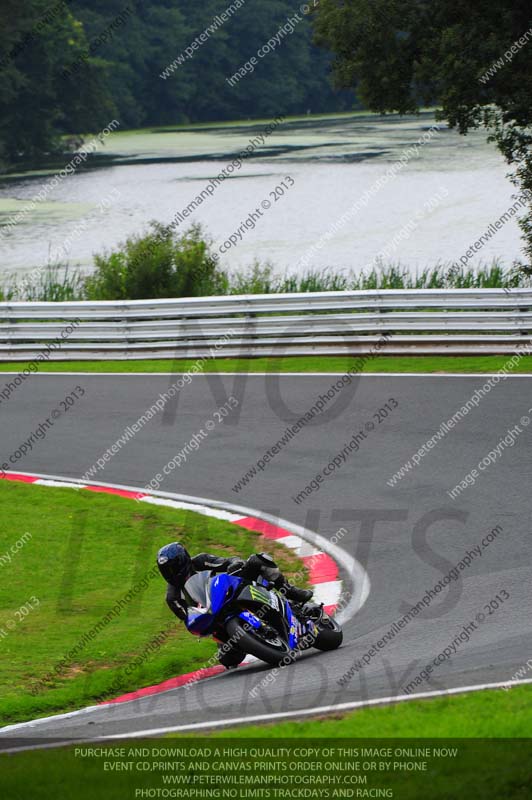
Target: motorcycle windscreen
{"x":197,"y":589}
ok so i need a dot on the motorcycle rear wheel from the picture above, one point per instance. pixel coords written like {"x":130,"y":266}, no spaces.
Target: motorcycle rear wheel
{"x":249,"y":639}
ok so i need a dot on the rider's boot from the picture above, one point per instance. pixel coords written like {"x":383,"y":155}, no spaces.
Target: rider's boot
{"x":298,"y":595}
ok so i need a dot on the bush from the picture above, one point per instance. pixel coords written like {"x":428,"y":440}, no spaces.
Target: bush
{"x":160,"y":264}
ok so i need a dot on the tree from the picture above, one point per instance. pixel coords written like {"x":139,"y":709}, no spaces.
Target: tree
{"x":134,"y":39}
{"x":473,"y":59}
{"x":72,"y":67}
{"x":36,"y":105}
{"x":292,"y":78}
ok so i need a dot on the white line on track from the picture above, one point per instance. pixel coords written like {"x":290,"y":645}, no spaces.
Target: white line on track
{"x":379,"y":701}
{"x":279,"y":716}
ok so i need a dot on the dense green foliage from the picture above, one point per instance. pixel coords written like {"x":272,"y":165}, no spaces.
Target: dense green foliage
{"x":292,"y":79}
{"x":65,"y":69}
{"x":160,"y":264}
{"x":473,"y":59}
{"x":403,"y":53}
{"x":37,"y":39}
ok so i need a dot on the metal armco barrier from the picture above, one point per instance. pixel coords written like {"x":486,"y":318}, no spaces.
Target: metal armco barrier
{"x":424,"y":321}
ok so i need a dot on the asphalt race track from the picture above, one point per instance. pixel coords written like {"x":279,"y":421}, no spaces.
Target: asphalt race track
{"x":408,"y":537}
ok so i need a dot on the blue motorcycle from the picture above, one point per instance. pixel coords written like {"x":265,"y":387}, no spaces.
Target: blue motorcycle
{"x":255,"y":619}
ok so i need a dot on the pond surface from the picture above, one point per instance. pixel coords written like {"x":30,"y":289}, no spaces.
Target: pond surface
{"x":431,"y":211}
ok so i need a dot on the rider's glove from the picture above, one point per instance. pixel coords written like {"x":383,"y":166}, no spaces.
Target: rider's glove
{"x":261,"y":565}
{"x":235,"y":565}
{"x":179,"y":611}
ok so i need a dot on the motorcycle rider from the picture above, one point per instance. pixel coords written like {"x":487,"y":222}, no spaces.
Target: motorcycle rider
{"x":176,"y":566}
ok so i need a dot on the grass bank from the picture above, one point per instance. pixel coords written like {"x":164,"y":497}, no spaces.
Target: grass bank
{"x":333,"y":364}
{"x":84,"y":552}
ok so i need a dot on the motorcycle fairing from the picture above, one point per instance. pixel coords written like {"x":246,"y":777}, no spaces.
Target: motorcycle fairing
{"x":254,"y":621}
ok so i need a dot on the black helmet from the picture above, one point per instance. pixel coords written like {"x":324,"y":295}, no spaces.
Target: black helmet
{"x":174,"y":563}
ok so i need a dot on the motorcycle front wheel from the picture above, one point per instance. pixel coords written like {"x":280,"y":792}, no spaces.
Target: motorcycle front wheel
{"x":263,"y":643}
{"x":330,"y":635}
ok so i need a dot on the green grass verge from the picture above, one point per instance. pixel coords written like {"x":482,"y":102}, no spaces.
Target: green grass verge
{"x":486,"y":714}
{"x":339,"y":364}
{"x":86,"y":551}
